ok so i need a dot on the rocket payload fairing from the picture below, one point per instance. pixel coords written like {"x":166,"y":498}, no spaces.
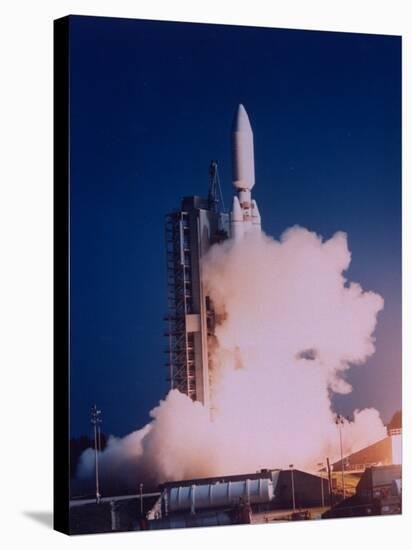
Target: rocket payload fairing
{"x":245,"y":217}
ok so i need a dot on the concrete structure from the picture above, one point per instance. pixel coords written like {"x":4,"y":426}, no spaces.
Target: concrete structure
{"x":117,"y":513}
{"x":206,"y":519}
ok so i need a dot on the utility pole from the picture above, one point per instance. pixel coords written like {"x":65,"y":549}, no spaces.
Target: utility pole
{"x":141,"y":498}
{"x":293,"y":487}
{"x":96,"y":421}
{"x":320,"y":464}
{"x":330,"y":483}
{"x":339,"y":421}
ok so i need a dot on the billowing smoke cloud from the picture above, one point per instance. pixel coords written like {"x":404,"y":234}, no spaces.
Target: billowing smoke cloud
{"x":289,"y":326}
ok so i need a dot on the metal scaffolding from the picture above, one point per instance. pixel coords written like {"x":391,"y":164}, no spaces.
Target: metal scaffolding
{"x":189,"y":233}
{"x":179,"y":303}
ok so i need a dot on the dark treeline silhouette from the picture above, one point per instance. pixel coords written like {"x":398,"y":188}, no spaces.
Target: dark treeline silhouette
{"x":80,"y":444}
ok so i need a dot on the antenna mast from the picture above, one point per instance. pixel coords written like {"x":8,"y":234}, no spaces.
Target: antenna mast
{"x":215,"y":195}
{"x":96,"y":420}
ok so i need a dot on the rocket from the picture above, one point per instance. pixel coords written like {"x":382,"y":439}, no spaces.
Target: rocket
{"x":244,"y":217}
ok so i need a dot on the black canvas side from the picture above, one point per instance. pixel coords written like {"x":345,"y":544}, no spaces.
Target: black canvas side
{"x":61,"y":276}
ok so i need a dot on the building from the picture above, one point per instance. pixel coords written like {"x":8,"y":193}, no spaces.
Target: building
{"x":301,"y":488}
{"x":387,"y":451}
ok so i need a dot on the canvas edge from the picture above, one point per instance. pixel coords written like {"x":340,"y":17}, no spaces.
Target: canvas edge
{"x":61,"y":464}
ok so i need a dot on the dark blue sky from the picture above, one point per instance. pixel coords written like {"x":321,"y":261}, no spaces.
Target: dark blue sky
{"x":151,"y":103}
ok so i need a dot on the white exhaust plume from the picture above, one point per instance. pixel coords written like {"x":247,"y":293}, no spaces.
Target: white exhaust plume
{"x":289,"y":326}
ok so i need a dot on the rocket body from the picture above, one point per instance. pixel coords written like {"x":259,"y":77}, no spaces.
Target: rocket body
{"x":244,"y":217}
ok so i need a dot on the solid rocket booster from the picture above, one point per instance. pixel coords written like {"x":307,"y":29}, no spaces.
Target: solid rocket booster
{"x":245,"y":217}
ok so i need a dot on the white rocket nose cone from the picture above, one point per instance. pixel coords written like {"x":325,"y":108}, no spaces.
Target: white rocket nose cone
{"x":243,"y":164}
{"x":241,"y":122}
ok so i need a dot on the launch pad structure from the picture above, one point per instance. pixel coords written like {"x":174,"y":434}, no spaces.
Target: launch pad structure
{"x":190,"y":232}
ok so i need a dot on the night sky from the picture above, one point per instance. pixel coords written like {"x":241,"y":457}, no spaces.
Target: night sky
{"x":151,"y":103}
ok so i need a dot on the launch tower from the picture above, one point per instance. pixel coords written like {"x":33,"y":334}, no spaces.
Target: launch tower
{"x":190,"y":232}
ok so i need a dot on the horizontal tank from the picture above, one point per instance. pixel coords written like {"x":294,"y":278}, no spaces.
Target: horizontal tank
{"x":218,"y":495}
